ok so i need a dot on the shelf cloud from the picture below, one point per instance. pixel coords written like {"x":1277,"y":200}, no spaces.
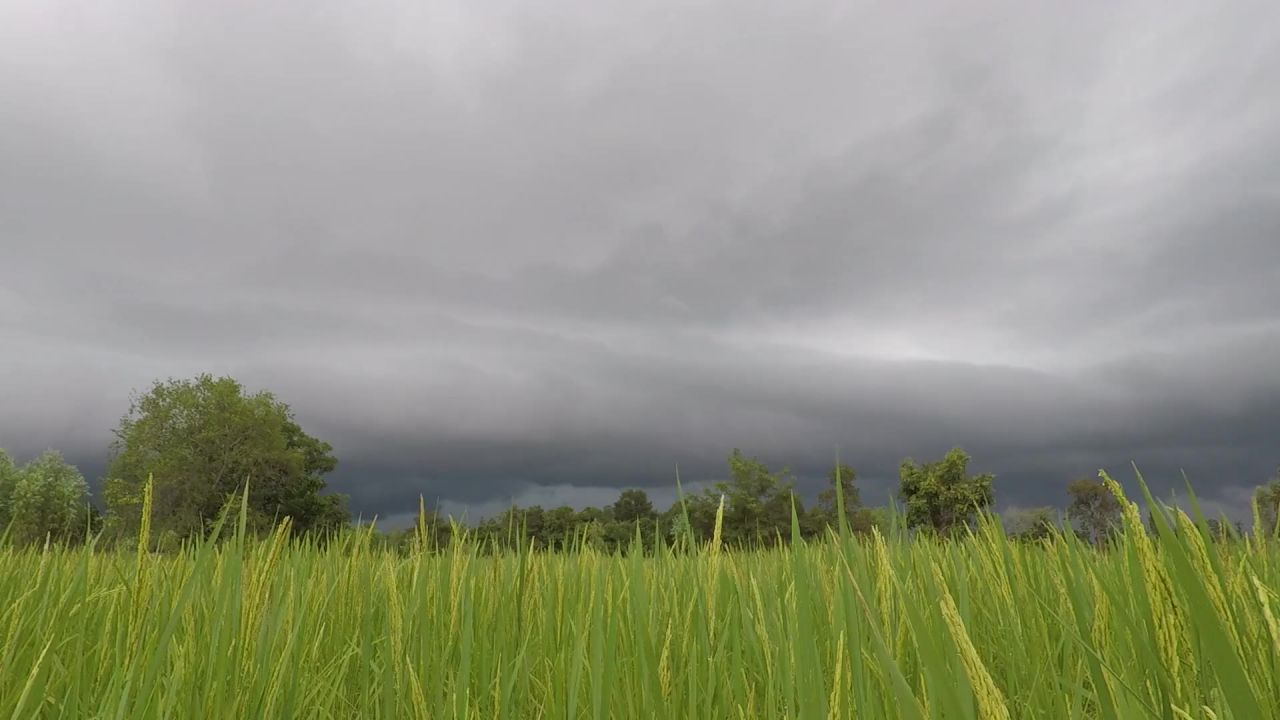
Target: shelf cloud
{"x":500,"y":250}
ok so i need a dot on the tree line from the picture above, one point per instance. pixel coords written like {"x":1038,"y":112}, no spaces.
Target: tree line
{"x":940,"y":498}
{"x":199,"y":442}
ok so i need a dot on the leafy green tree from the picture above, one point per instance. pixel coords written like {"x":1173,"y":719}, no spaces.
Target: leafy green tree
{"x":559,"y":525}
{"x":517,"y":526}
{"x":1031,"y":523}
{"x":534,"y":519}
{"x":874,"y":517}
{"x":775,"y":522}
{"x":758,"y":502}
{"x":616,"y":536}
{"x":826,"y":514}
{"x":591,"y":513}
{"x":201,"y":440}
{"x":49,"y":499}
{"x":678,"y":529}
{"x":1094,"y":510}
{"x":847,"y":478}
{"x":632,"y":505}
{"x":1267,"y":498}
{"x":942,"y":495}
{"x":8,"y":479}
{"x":632,"y":509}
{"x":593,"y":535}
{"x":694,"y":517}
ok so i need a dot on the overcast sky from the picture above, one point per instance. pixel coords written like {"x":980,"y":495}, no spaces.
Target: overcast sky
{"x":547,"y":250}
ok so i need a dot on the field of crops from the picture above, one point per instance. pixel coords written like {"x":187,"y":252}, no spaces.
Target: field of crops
{"x":1169,"y":625}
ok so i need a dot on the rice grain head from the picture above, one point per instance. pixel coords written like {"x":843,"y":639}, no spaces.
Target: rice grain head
{"x":990,"y":701}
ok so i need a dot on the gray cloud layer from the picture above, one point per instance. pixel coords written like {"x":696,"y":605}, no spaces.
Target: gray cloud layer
{"x":488,"y":248}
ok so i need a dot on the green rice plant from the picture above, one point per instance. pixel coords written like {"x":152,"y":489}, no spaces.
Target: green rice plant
{"x":1164,"y":623}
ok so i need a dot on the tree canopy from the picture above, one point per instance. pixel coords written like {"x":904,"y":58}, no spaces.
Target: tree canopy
{"x":632,"y":505}
{"x":1093,"y":509}
{"x":758,"y":501}
{"x":8,"y":478}
{"x":202,"y":440}
{"x":1030,"y":524}
{"x":942,"y":495}
{"x":46,"y":498}
{"x":826,"y":511}
{"x":1267,"y":498}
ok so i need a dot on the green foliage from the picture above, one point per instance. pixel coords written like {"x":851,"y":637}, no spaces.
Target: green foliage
{"x":825,"y":513}
{"x":941,"y":495}
{"x":202,"y":440}
{"x":8,"y":479}
{"x":1093,"y":509}
{"x":558,"y":525}
{"x":632,"y":506}
{"x":610,"y":529}
{"x":758,"y":506}
{"x":860,"y":627}
{"x":47,"y":498}
{"x":678,"y":529}
{"x":1032,"y":524}
{"x":1267,"y":499}
{"x":878,"y":518}
{"x":696,"y":515}
{"x":846,"y":477}
{"x":758,"y":502}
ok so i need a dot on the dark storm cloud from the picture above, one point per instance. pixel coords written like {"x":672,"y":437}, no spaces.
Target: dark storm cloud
{"x":497,"y":250}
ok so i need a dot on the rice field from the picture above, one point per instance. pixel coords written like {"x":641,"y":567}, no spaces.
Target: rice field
{"x":1170,"y":625}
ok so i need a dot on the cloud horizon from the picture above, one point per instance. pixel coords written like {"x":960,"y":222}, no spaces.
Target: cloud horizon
{"x":504,"y":252}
